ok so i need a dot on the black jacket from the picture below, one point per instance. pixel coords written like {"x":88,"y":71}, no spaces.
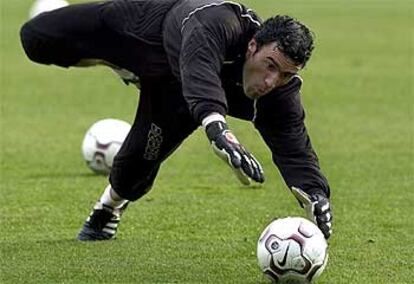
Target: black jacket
{"x":203,"y":44}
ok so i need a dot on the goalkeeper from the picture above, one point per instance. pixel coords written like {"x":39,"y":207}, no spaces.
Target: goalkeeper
{"x":195,"y":63}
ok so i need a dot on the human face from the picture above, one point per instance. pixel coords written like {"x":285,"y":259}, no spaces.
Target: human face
{"x":266,"y":69}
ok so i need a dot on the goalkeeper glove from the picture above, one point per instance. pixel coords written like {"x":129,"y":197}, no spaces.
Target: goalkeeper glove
{"x":318,"y":209}
{"x":228,"y":148}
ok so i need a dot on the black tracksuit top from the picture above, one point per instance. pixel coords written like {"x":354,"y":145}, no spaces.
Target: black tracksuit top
{"x":202,"y":43}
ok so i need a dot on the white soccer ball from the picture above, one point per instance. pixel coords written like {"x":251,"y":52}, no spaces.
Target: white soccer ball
{"x":292,"y":250}
{"x":102,"y":142}
{"x":41,"y":6}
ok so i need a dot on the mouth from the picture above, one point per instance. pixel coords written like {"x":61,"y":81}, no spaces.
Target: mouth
{"x":261,"y":91}
{"x":256,"y":92}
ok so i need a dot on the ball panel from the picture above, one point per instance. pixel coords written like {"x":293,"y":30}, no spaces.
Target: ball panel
{"x":111,"y":152}
{"x":98,"y":164}
{"x":88,"y":147}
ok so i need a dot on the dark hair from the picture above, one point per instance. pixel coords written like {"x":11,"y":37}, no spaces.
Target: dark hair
{"x":294,"y":39}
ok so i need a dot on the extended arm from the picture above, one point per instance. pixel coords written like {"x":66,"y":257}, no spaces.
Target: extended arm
{"x":280,"y":120}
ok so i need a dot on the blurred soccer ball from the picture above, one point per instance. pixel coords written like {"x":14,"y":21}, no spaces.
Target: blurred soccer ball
{"x":292,"y":250}
{"x":41,"y":6}
{"x":102,"y":142}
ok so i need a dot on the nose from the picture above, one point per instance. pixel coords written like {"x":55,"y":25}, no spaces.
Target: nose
{"x":272,"y":79}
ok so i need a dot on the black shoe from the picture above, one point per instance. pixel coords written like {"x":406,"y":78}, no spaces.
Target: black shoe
{"x":102,"y":223}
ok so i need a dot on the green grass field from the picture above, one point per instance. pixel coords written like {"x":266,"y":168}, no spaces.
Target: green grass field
{"x":197,"y":225}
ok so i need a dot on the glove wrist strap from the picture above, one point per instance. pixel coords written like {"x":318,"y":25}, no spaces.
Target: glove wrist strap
{"x":213,"y":117}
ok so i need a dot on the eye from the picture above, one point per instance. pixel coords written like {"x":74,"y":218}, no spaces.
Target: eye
{"x":271,"y":66}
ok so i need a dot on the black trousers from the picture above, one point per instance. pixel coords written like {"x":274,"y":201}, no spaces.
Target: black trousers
{"x":65,"y":36}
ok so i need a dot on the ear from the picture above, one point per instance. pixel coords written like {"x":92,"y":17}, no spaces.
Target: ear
{"x":251,"y":47}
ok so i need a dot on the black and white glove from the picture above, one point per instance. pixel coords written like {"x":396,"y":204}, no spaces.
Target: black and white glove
{"x":318,"y":209}
{"x":228,"y":148}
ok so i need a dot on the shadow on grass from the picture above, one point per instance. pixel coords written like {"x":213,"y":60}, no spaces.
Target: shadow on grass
{"x":56,"y":242}
{"x":253,"y":186}
{"x":60,"y":175}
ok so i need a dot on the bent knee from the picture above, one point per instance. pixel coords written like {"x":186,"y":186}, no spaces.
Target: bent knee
{"x":43,"y":48}
{"x":33,"y":44}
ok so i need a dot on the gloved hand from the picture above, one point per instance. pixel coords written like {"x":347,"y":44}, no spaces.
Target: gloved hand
{"x":318,"y":209}
{"x":226,"y":146}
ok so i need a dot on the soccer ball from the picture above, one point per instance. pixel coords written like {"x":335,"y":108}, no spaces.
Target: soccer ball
{"x":292,"y":250}
{"x":41,"y":6}
{"x":102,"y":142}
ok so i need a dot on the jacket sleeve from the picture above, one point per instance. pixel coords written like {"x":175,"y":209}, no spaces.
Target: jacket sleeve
{"x":206,"y":37}
{"x":280,"y":121}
